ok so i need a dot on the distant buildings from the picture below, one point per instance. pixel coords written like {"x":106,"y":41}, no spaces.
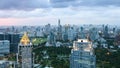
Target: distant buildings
{"x":25,"y":51}
{"x":4,"y":47}
{"x":82,"y":55}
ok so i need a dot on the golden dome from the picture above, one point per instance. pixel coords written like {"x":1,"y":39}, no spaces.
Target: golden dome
{"x":25,"y":40}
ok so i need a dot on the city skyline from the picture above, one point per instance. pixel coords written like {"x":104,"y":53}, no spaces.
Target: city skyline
{"x":41,"y":12}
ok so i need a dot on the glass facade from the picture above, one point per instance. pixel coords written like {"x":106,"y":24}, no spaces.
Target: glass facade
{"x":82,"y":55}
{"x":4,"y":47}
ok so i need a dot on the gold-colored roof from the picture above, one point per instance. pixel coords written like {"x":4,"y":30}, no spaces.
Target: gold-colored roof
{"x":25,"y":40}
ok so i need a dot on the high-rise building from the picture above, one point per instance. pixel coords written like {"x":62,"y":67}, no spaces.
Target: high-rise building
{"x":59,"y":31}
{"x":65,"y":32}
{"x":4,"y":47}
{"x":82,"y":55}
{"x":71,"y":34}
{"x":14,"y":40}
{"x":106,"y":29}
{"x":25,"y":51}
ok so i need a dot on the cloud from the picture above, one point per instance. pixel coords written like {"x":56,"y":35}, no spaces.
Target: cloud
{"x":56,"y":1}
{"x":23,"y":4}
{"x":61,"y":12}
{"x":89,"y":3}
{"x":68,"y":10}
{"x":24,"y":14}
{"x":35,"y":4}
{"x":100,"y":3}
{"x":63,"y":3}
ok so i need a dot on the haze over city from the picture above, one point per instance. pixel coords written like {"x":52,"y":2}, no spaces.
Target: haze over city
{"x":41,"y":12}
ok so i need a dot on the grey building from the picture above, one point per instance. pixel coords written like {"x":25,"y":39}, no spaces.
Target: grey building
{"x":59,"y":31}
{"x":82,"y":55}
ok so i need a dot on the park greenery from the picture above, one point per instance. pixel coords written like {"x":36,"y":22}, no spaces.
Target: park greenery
{"x":57,"y":57}
{"x":106,"y":58}
{"x":37,"y":41}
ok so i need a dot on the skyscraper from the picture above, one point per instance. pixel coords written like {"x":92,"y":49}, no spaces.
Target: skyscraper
{"x":82,"y":55}
{"x":71,"y":34}
{"x":59,"y":31}
{"x":106,"y":29}
{"x":65,"y":32}
{"x":14,"y":39}
{"x":25,"y":51}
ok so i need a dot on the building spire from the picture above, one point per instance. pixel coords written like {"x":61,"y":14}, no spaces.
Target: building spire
{"x":25,"y":40}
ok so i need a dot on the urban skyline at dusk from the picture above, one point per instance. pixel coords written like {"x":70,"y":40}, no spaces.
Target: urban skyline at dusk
{"x":41,"y":12}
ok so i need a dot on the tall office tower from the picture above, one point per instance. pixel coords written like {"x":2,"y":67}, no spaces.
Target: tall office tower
{"x":106,"y":34}
{"x":71,"y":34}
{"x":65,"y":32}
{"x":25,"y":51}
{"x":14,"y":40}
{"x":82,"y":55}
{"x":59,"y":31}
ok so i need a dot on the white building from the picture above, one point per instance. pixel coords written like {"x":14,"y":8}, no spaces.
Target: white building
{"x":82,"y":55}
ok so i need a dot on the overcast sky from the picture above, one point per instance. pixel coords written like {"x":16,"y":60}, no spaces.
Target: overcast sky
{"x":41,"y":12}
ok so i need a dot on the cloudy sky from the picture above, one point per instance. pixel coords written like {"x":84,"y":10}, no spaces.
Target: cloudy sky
{"x":41,"y":12}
